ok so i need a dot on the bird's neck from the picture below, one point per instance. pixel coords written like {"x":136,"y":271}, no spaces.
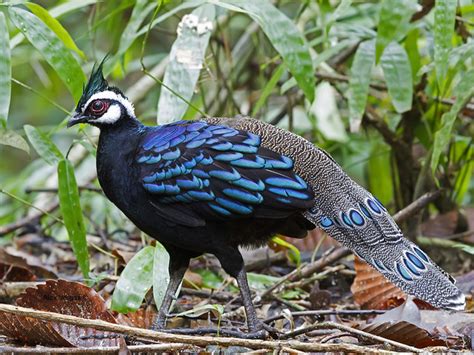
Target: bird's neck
{"x":116,"y":153}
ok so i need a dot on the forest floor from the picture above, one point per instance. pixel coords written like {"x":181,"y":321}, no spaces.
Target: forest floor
{"x":331,"y":302}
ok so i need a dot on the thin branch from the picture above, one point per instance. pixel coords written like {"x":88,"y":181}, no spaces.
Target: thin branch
{"x":321,"y":263}
{"x":328,"y":312}
{"x":202,"y":341}
{"x":26,"y":220}
{"x":172,"y":347}
{"x":30,"y":190}
{"x":417,"y":205}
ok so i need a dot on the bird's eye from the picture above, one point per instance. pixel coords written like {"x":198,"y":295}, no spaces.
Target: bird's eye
{"x":98,"y":107}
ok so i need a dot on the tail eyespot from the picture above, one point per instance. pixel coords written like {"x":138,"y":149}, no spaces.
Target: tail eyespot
{"x":325,"y":222}
{"x":374,"y":207}
{"x":415,"y":260}
{"x":404,"y":274}
{"x":356,"y":218}
{"x":421,"y":254}
{"x":408,"y":264}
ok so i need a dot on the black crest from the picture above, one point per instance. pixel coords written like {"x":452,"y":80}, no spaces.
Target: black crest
{"x":96,"y":84}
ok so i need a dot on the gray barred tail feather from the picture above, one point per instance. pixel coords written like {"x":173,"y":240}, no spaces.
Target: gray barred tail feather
{"x":355,"y":218}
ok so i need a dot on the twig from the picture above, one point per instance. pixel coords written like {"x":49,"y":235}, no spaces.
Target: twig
{"x":319,"y":264}
{"x":280,"y":282}
{"x":30,"y":190}
{"x":359,"y":333}
{"x":26,"y":220}
{"x":172,"y":347}
{"x":183,"y":339}
{"x":219,"y":296}
{"x":326,"y":312}
{"x":414,"y":207}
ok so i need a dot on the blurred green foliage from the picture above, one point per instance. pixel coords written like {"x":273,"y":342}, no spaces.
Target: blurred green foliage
{"x":384,"y":88}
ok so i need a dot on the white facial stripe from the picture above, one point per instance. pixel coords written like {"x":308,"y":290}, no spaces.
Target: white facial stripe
{"x":111,"y":116}
{"x":112,"y":96}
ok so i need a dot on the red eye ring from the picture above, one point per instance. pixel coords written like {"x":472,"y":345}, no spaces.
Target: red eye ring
{"x":98,"y":107}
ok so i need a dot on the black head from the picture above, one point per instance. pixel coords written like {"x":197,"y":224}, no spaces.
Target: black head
{"x":101,"y":104}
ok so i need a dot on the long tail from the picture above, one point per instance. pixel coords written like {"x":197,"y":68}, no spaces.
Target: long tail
{"x":351,"y":215}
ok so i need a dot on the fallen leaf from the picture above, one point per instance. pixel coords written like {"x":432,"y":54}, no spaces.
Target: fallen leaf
{"x":64,"y":297}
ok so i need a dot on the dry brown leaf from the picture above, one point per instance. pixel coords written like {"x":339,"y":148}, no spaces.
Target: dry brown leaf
{"x":405,"y":333}
{"x":409,"y":325}
{"x":65,"y":297}
{"x":372,"y":290}
{"x":10,"y":273}
{"x":142,"y":318}
{"x":15,"y":258}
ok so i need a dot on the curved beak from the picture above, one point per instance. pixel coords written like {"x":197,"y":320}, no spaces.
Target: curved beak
{"x":76,"y":118}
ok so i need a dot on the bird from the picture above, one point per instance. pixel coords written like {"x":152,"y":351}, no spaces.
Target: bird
{"x":216,"y":184}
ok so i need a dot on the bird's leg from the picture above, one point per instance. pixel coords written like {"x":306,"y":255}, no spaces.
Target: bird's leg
{"x":253,"y":323}
{"x":177,"y":268}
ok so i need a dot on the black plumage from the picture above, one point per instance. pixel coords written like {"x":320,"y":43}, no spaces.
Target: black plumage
{"x":213,"y":185}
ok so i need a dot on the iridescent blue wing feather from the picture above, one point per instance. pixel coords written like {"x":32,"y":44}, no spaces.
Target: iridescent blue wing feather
{"x":194,"y":171}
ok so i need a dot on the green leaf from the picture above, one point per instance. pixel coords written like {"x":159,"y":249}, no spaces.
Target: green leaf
{"x":464,"y":157}
{"x":411,"y":47}
{"x":55,"y":12}
{"x":397,"y":71}
{"x":393,"y":19}
{"x":380,"y":173}
{"x":445,"y":12}
{"x":284,"y":36}
{"x":5,"y":70}
{"x":51,"y":48}
{"x":294,"y":253}
{"x":43,"y":145}
{"x":161,"y":276}
{"x":13,"y":139}
{"x":55,"y":26}
{"x":139,"y":13}
{"x":72,"y":214}
{"x":261,"y":282}
{"x":185,"y":64}
{"x":463,"y":92}
{"x":267,"y":90}
{"x":359,"y":81}
{"x":189,"y":4}
{"x":135,"y":281}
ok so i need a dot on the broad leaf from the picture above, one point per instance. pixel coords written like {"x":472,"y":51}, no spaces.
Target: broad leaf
{"x":463,"y":91}
{"x":161,"y":276}
{"x":185,"y":64}
{"x":393,"y":19}
{"x":135,"y":281}
{"x":43,"y":145}
{"x":445,"y":12}
{"x":51,"y":48}
{"x":55,"y":26}
{"x":359,"y":81}
{"x":284,"y":36}
{"x":56,"y":12}
{"x":13,"y":139}
{"x":397,"y":71}
{"x":5,"y":70}
{"x":72,"y":214}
